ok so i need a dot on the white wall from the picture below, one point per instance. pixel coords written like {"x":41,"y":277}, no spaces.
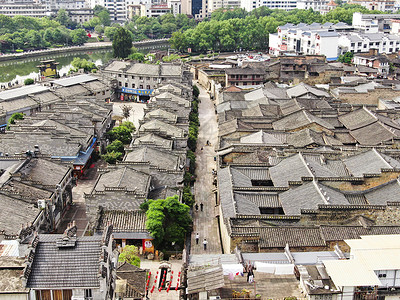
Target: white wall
{"x":328,"y":46}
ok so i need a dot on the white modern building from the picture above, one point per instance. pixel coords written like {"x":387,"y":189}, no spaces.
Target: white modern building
{"x":375,"y":22}
{"x":382,"y":5}
{"x":287,"y":5}
{"x":373,"y":270}
{"x":363,"y":42}
{"x":29,"y":9}
{"x":314,"y":39}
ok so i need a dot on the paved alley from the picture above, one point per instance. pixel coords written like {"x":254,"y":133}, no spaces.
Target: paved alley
{"x":204,"y":222}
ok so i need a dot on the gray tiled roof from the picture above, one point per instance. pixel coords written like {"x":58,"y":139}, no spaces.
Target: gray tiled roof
{"x":38,"y":170}
{"x":295,"y":167}
{"x":162,"y":128}
{"x":72,"y":267}
{"x":339,"y":233}
{"x":261,"y":137}
{"x":116,"y":65}
{"x":161,"y":114}
{"x":259,"y":199}
{"x":271,"y":237}
{"x":153,"y":139}
{"x":305,"y":137}
{"x":124,"y":220}
{"x":136,"y":280}
{"x":15,"y":212}
{"x":389,"y":192}
{"x":207,"y":279}
{"x":156,"y":157}
{"x":309,"y":196}
{"x":22,"y":91}
{"x":303,"y":88}
{"x":123,"y":176}
{"x":357,"y":119}
{"x":299,"y":119}
{"x":226,"y":193}
{"x":369,"y":162}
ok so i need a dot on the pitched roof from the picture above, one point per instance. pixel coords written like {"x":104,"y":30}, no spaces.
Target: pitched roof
{"x":123,"y":176}
{"x":369,"y":162}
{"x":299,"y":119}
{"x":156,"y":157}
{"x":261,"y":137}
{"x":136,"y":280}
{"x":70,"y":267}
{"x":309,"y":196}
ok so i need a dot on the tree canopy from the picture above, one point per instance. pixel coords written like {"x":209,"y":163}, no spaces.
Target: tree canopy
{"x":122,"y":43}
{"x":168,"y":221}
{"x":130,"y":254}
{"x":235,"y":29}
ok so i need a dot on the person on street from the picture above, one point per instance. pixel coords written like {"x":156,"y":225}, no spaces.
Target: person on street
{"x":205,"y":244}
{"x":196,"y":207}
{"x":197,"y":238}
{"x":201,"y":206}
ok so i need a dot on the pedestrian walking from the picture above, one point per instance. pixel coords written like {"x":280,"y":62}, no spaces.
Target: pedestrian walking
{"x":201,"y":148}
{"x":196,"y":207}
{"x":201,"y":206}
{"x":197,"y":238}
{"x":205,"y":244}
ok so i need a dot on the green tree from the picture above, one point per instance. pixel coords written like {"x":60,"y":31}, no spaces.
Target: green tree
{"x":171,"y":57}
{"x":14,"y":116}
{"x":115,"y":146}
{"x":122,"y":43}
{"x":81,"y":63}
{"x":196,"y":91}
{"x":79,"y":36}
{"x":130,"y":254}
{"x":122,"y":133}
{"x":104,"y":17}
{"x":346,"y":58}
{"x":110,"y":32}
{"x":29,"y":81}
{"x":112,"y":157}
{"x":129,"y":125}
{"x":63,"y":17}
{"x":168,"y":221}
{"x":137,"y":56}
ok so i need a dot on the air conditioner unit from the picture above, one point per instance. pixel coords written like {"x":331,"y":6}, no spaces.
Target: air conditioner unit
{"x":41,"y":204}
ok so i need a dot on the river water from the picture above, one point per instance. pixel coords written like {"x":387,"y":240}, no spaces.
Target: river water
{"x":20,"y":69}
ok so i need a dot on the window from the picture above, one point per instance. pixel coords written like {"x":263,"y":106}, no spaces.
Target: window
{"x":148,"y":86}
{"x":88,"y":294}
{"x":140,"y":78}
{"x":141,"y":86}
{"x":126,"y":84}
{"x":147,"y":78}
{"x":133,"y":77}
{"x":133,"y":85}
{"x":119,"y":83}
{"x":119,"y":75}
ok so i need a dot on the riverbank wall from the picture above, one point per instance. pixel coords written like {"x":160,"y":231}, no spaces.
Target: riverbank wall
{"x":86,"y":47}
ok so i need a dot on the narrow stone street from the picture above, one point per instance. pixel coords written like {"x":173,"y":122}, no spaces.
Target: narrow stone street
{"x":204,"y":222}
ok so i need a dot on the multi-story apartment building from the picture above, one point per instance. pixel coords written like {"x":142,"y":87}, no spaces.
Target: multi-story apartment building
{"x":141,"y":79}
{"x":382,"y":5}
{"x":363,"y":42}
{"x":319,"y":39}
{"x":375,"y":22}
{"x":24,"y":8}
{"x":249,"y":5}
{"x":81,"y":15}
